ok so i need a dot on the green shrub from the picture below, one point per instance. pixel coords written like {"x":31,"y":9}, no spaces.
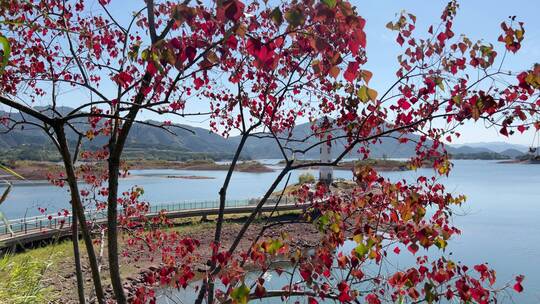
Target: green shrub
{"x":22,"y":280}
{"x":306,"y":178}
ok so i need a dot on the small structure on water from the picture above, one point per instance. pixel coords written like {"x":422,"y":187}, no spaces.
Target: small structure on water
{"x":326,"y":173}
{"x":533,"y":156}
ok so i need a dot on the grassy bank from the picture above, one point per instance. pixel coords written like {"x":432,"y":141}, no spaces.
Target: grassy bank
{"x":47,"y":273}
{"x":28,"y":277}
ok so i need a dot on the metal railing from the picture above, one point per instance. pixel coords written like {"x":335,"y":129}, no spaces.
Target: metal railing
{"x":54,"y":221}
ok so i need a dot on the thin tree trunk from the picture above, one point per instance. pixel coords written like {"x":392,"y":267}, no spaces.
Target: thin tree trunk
{"x":116,"y":147}
{"x":101,"y":249}
{"x":219,"y":224}
{"x":77,"y":256}
{"x":112,"y":230}
{"x":79,"y":212}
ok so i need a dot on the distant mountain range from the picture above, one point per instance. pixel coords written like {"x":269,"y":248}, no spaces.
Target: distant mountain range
{"x":145,"y":140}
{"x":496,"y":146}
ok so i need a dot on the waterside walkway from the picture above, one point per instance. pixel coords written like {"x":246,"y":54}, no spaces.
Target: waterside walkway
{"x":47,"y":227}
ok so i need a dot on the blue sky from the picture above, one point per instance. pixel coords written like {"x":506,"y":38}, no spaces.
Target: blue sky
{"x":478,"y":19}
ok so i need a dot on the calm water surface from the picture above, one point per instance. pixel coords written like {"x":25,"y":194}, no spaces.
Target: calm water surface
{"x":500,"y":221}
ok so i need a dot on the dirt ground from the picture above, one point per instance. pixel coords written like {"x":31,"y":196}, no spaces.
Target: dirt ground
{"x":63,"y":282}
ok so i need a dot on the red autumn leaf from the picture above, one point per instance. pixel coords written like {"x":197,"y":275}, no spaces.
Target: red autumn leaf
{"x":441,"y":37}
{"x":518,"y":287}
{"x":124,"y":79}
{"x":404,"y":104}
{"x":260,"y":291}
{"x":198,"y":83}
{"x":344,"y":295}
{"x":191,"y":52}
{"x":232,"y":42}
{"x":462,"y":47}
{"x":175,"y":42}
{"x":400,"y":39}
{"x":151,"y":68}
{"x":413,"y":248}
{"x":358,"y":40}
{"x":306,"y":275}
{"x":481,"y":268}
{"x":372,"y":299}
{"x":263,"y":53}
{"x":233,"y":9}
{"x":351,"y":72}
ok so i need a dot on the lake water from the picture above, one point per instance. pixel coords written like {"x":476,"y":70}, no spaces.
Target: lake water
{"x":500,"y":221}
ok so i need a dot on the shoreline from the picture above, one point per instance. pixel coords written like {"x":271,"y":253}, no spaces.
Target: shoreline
{"x":134,"y":269}
{"x":519,"y":161}
{"x":189,"y":177}
{"x":198,"y":165}
{"x":38,"y":171}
